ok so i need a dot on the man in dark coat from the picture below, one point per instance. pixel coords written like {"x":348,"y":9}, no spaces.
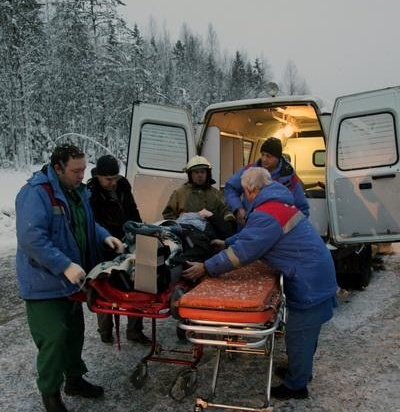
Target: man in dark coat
{"x":280,"y":170}
{"x":113,"y":204}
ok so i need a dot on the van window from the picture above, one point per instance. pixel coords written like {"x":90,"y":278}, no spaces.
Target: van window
{"x":163,"y":147}
{"x":319,"y":158}
{"x":367,"y":141}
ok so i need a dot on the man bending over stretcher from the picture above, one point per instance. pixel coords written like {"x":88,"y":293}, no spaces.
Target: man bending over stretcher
{"x":277,"y":232}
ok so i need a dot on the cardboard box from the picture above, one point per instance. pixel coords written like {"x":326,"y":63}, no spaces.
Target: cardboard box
{"x":151,"y":273}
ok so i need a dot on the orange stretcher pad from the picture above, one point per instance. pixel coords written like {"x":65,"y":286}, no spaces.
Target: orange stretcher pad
{"x":250,"y":294}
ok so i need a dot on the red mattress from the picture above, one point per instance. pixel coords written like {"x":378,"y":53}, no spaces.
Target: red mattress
{"x":250,"y":294}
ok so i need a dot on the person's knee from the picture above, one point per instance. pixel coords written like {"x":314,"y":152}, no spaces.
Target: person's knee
{"x":57,"y":336}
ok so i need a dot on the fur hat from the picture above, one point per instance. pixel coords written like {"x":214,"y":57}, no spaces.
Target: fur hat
{"x":273,"y":146}
{"x":107,"y":166}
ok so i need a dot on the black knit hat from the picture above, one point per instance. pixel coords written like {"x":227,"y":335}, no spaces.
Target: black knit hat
{"x":273,"y":146}
{"x":107,"y":166}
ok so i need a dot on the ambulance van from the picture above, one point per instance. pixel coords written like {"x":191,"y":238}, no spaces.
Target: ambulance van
{"x":347,"y":158}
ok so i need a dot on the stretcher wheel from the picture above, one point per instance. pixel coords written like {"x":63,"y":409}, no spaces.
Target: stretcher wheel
{"x":184,"y":385}
{"x":139,"y":375}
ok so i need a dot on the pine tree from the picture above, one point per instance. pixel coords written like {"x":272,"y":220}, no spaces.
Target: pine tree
{"x":21,"y":51}
{"x":238,"y":81}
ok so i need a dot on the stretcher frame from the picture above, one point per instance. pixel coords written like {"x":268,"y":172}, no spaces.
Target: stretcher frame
{"x":153,"y":306}
{"x":236,"y":337}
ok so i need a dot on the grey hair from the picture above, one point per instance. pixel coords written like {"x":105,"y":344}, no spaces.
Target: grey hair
{"x":255,"y":178}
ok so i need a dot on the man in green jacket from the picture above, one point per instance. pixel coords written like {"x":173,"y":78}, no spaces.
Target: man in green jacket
{"x":199,"y":196}
{"x":58,"y":243}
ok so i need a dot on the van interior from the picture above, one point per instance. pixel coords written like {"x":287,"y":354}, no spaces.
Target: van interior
{"x":243,"y":130}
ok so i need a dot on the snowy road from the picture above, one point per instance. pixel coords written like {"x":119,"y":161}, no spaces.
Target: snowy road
{"x":356,"y":368}
{"x":10,"y":305}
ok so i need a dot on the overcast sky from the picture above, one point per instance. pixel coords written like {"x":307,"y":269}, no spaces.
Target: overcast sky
{"x":339,"y":46}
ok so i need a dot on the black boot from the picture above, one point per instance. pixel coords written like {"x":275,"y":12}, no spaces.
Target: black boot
{"x":54,"y":403}
{"x":283,"y":392}
{"x":107,"y":337}
{"x":139,"y":337}
{"x":77,"y":386}
{"x":281,"y":371}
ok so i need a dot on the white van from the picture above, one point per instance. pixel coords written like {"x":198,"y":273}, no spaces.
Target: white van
{"x":348,"y":161}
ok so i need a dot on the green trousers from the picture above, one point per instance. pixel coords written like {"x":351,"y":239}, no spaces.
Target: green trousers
{"x":57,"y":328}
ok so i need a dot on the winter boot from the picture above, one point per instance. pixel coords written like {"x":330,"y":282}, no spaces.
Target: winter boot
{"x":107,"y":337}
{"x":77,"y":386}
{"x":54,"y":403}
{"x":281,"y":371}
{"x":283,"y":392}
{"x":139,"y":337}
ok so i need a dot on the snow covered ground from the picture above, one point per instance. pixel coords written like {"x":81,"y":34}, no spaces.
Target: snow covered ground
{"x":10,"y":182}
{"x":357,"y":365}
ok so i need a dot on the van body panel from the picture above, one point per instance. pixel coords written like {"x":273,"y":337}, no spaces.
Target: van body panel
{"x":363,"y":167}
{"x":161,"y":143}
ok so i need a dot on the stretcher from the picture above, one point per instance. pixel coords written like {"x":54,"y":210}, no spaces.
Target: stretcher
{"x":237,"y":312}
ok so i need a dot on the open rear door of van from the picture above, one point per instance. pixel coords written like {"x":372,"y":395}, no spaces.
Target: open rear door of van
{"x":161,"y":143}
{"x":363,"y":167}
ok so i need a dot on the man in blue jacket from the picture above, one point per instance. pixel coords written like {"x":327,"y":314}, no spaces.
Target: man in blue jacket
{"x":278,"y":233}
{"x":280,"y":170}
{"x":58,"y":243}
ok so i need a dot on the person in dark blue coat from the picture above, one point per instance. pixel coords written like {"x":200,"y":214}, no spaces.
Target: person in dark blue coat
{"x":280,"y":170}
{"x":278,"y":233}
{"x":58,"y":242}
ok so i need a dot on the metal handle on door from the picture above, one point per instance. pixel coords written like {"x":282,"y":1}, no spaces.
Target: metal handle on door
{"x":389,"y":176}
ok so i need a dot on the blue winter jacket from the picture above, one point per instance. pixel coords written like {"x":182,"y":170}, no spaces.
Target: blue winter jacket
{"x":278,"y":233}
{"x":45,"y":241}
{"x":283,"y":174}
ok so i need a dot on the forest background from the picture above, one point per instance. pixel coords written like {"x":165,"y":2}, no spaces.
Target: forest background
{"x":73,"y":68}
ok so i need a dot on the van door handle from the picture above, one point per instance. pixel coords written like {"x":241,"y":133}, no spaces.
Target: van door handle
{"x":363,"y":186}
{"x":389,"y":176}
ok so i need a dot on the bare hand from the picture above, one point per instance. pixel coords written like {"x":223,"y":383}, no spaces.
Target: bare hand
{"x":115,"y":244}
{"x":218,"y":244}
{"x":204,"y":213}
{"x":240,"y":215}
{"x":75,"y":274}
{"x":195,"y":271}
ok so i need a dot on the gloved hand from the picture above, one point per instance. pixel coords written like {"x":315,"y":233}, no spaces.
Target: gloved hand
{"x":74,"y":273}
{"x":115,"y":244}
